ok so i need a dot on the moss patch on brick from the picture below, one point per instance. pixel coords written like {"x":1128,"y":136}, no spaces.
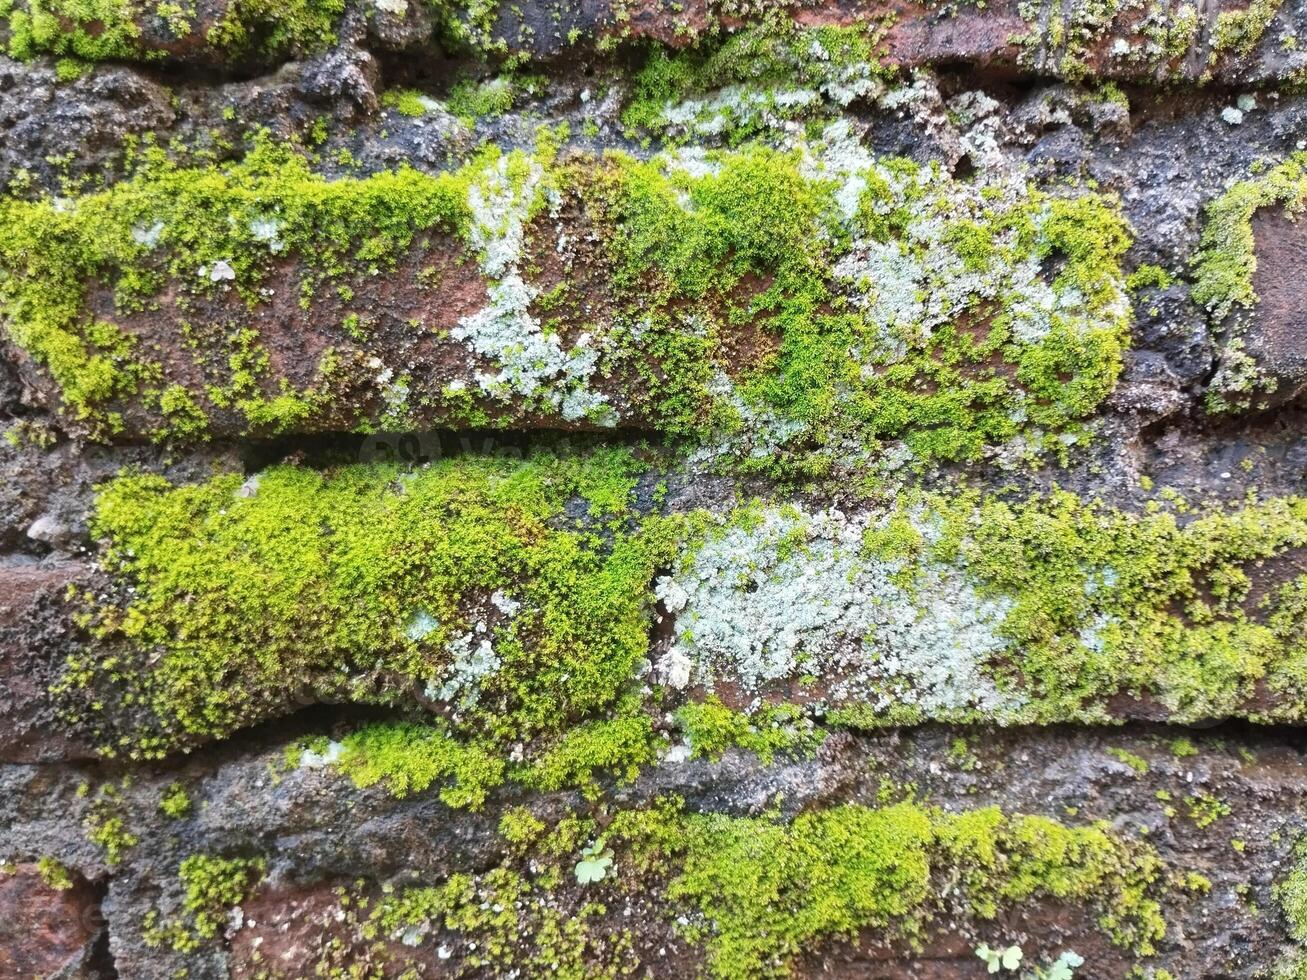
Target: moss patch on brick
{"x":462,"y":580}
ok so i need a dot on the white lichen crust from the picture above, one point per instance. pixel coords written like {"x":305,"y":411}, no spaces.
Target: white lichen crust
{"x":780,"y":595}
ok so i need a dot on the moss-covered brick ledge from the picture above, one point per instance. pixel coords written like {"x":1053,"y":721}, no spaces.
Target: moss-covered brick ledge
{"x":811,"y":304}
{"x":1248,"y":276}
{"x":240,"y":33}
{"x":1174,"y":42}
{"x":508,"y":607}
{"x":734,"y":898}
{"x":1081,"y":40}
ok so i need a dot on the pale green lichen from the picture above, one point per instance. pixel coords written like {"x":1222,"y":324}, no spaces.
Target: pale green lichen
{"x":960,"y":608}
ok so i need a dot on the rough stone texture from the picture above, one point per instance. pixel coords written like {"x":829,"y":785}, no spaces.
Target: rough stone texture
{"x":319,"y":833}
{"x":31,"y":645}
{"x":962,"y":90}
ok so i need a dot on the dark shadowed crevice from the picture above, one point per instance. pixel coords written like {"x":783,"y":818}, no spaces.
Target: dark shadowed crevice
{"x":324,"y":450}
{"x":100,"y":964}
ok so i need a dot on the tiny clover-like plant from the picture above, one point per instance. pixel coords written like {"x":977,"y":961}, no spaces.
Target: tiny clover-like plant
{"x":1000,"y":959}
{"x":1063,"y":968}
{"x":594,"y":864}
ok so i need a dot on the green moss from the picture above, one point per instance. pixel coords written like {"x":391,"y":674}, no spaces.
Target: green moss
{"x":738,"y":307}
{"x":1108,"y":602}
{"x":763,"y":891}
{"x":1137,"y":763}
{"x":1291,"y":892}
{"x":519,"y":827}
{"x":471,"y":100}
{"x":409,"y":758}
{"x":405,"y":101}
{"x":1226,"y":260}
{"x":1238,"y":31}
{"x":1205,"y":809}
{"x":756,"y":215}
{"x":1087,"y":611}
{"x":103,"y":30}
{"x":176,"y":802}
{"x":54,"y":873}
{"x":367,"y":583}
{"x":172,"y":224}
{"x":110,"y":831}
{"x":213,"y":885}
{"x":514,"y":598}
{"x":71,"y":69}
{"x":507,"y":920}
{"x":1223,"y":275}
{"x":275,"y":27}
{"x":95,"y":30}
{"x":755,"y":241}
{"x":184,"y":419}
{"x":753,"y":893}
{"x":620,"y":746}
{"x":712,"y":728}
{"x":1149,"y":276}
{"x":755,"y":66}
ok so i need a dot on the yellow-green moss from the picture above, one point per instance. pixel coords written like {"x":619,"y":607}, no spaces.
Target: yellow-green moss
{"x":1135,"y":762}
{"x":712,"y":728}
{"x":515,"y":596}
{"x":408,"y":758}
{"x":176,"y":802}
{"x":361,"y":583}
{"x":111,"y":30}
{"x":471,"y":100}
{"x":753,"y":893}
{"x":947,"y":391}
{"x":764,"y":891}
{"x":510,"y":923}
{"x":1291,"y":892}
{"x":757,"y":66}
{"x":1226,"y":260}
{"x":743,"y":252}
{"x":213,"y":885}
{"x":1110,"y":602}
{"x":405,"y":101}
{"x":54,"y":873}
{"x":172,"y":224}
{"x":1238,"y":31}
{"x":619,"y":746}
{"x":1223,"y":275}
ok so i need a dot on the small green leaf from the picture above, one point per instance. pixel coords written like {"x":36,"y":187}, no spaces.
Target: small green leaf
{"x":1065,"y":966}
{"x":592,"y":869}
{"x":595,"y":862}
{"x":1011,"y":957}
{"x":990,"y":956}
